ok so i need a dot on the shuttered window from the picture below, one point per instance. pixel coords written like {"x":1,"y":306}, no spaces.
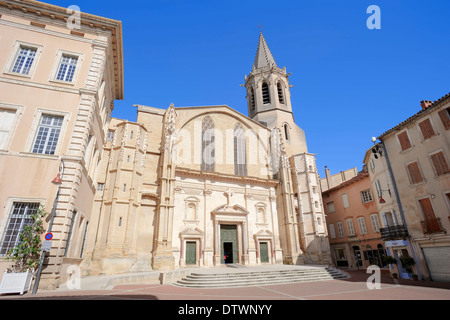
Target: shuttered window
{"x":415,"y":175}
{"x":427,"y":209}
{"x":439,"y":163}
{"x":426,"y":129}
{"x":445,"y":118}
{"x":404,"y":140}
{"x":6,"y":122}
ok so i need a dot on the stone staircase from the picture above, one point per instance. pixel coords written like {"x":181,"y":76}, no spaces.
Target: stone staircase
{"x":247,"y":278}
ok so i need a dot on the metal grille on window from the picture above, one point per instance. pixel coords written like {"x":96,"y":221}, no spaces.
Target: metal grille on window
{"x":19,"y":218}
{"x":48,"y":135}
{"x":67,"y":68}
{"x":240,"y":161}
{"x":208,"y":145}
{"x":265,"y":93}
{"x":24,"y":60}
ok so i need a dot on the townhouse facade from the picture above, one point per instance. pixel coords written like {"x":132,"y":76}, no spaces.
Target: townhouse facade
{"x":58,"y":84}
{"x":409,"y":169}
{"x":352,"y":220}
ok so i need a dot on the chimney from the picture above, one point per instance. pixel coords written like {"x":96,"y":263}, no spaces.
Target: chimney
{"x":327,"y":174}
{"x":426,"y":104}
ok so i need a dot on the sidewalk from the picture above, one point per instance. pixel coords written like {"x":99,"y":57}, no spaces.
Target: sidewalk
{"x":354,"y":288}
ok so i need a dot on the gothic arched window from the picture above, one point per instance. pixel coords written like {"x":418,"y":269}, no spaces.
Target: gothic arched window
{"x":252,"y":99}
{"x":208,"y":145}
{"x":265,"y":93}
{"x":240,"y":162}
{"x":286,"y":132}
{"x":280,"y":93}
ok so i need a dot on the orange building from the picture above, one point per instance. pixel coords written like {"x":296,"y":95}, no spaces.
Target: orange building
{"x":352,"y":220}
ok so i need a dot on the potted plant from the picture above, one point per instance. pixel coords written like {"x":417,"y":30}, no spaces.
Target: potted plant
{"x":407,"y":263}
{"x":26,"y":257}
{"x":391,"y":260}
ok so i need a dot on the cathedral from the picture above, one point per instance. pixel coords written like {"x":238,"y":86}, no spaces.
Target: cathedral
{"x":208,"y":186}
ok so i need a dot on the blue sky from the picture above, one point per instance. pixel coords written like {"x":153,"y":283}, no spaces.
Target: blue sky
{"x":351,"y":83}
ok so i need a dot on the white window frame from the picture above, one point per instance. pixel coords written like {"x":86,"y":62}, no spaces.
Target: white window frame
{"x":18,"y":113}
{"x":35,"y":126}
{"x":332,"y":231}
{"x":345,"y":200}
{"x":366,"y":196}
{"x":350,"y":227}
{"x":9,"y":205}
{"x":375,"y":220}
{"x":341,"y":231}
{"x":15,"y":53}
{"x":362,"y":225}
{"x":59,"y":56}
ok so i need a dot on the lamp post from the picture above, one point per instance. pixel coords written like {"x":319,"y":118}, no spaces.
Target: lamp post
{"x":57,"y":181}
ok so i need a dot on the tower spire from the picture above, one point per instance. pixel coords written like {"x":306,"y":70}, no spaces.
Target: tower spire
{"x":263,"y":55}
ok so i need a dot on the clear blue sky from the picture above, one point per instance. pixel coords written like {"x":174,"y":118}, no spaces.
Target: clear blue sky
{"x":351,"y":83}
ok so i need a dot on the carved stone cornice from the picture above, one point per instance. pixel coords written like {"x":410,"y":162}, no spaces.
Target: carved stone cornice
{"x":179,"y":171}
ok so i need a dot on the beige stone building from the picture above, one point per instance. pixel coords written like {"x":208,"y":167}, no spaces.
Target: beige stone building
{"x":60,"y":72}
{"x":207,"y":186}
{"x":409,"y":168}
{"x":180,"y":187}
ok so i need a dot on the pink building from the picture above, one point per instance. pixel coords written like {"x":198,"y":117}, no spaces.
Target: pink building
{"x":352,"y":220}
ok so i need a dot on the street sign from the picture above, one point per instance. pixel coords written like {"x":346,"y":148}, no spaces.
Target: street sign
{"x":49,"y":236}
{"x":46,"y":246}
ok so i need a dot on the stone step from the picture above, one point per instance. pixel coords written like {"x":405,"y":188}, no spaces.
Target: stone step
{"x":245,"y":279}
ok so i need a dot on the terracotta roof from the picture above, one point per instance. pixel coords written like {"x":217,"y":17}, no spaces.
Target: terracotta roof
{"x":417,"y":115}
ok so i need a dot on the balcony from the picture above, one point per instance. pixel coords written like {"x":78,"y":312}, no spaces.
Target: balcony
{"x":393,"y":232}
{"x":431,"y":226}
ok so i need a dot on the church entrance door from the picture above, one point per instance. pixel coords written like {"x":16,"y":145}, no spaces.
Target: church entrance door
{"x":264,"y":252}
{"x":191,"y":253}
{"x":229,"y":243}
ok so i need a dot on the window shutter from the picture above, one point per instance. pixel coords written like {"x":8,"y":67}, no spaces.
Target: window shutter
{"x":427,"y":209}
{"x":427,"y":129}
{"x":6,"y":122}
{"x":439,"y":163}
{"x":404,"y":140}
{"x":445,"y":118}
{"x":414,"y":173}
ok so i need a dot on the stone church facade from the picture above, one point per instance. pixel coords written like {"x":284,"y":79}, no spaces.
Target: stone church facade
{"x":208,"y":186}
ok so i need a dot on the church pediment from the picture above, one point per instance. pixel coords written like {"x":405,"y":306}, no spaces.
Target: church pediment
{"x":191,"y":232}
{"x":235,"y":209}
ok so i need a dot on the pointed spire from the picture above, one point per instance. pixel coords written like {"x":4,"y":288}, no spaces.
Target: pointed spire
{"x":263,"y":55}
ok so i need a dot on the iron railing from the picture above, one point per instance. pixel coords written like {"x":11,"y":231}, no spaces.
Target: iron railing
{"x":431,"y":226}
{"x":393,"y":232}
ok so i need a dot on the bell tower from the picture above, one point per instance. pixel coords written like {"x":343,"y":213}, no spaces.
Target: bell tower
{"x":269,"y":98}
